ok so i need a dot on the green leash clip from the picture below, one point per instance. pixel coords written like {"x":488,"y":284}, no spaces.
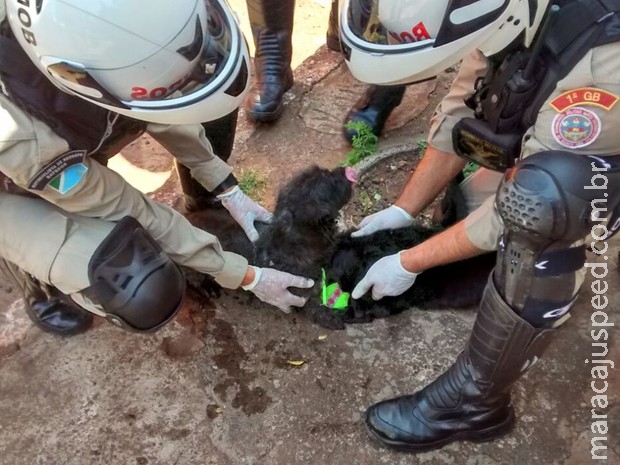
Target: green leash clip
{"x":332,"y":296}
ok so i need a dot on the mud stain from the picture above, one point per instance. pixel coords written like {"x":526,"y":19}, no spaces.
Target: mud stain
{"x":230,"y":357}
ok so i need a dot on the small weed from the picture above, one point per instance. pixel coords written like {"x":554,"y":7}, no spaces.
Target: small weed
{"x":365,"y":202}
{"x":369,"y":203}
{"x":252,"y":183}
{"x":470,"y":168}
{"x":364,"y":143}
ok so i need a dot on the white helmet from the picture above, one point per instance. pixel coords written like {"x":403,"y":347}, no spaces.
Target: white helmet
{"x":401,"y":41}
{"x":173,"y":62}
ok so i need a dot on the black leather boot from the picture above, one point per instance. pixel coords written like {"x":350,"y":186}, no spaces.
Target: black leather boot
{"x":374,"y":108}
{"x":46,"y":306}
{"x":221,"y":135}
{"x":272,"y":29}
{"x":332,"y":37}
{"x":471,"y":400}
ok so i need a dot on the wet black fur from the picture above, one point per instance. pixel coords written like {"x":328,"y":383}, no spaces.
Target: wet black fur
{"x":303,"y":238}
{"x":456,"y":285}
{"x":300,"y":239}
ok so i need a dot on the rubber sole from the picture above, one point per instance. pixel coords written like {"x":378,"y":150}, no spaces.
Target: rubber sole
{"x":81,"y":327}
{"x":276,"y":113}
{"x":267,"y":117}
{"x":484,"y":435}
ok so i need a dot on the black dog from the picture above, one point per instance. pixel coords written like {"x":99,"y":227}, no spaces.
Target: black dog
{"x":300,"y":239}
{"x":303,"y":239}
{"x":456,"y":285}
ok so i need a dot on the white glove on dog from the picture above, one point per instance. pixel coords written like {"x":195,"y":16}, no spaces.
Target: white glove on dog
{"x":271,"y":286}
{"x":387,"y":277}
{"x":392,"y":217}
{"x":245,"y":211}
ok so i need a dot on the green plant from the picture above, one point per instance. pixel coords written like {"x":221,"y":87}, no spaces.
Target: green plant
{"x":368,"y":203}
{"x":252,"y":183}
{"x":364,"y":142}
{"x":470,"y":168}
{"x":365,"y":202}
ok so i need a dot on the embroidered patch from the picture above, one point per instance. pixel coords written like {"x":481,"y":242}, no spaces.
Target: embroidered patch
{"x":584,"y":96}
{"x":576,"y":127}
{"x":62,"y":174}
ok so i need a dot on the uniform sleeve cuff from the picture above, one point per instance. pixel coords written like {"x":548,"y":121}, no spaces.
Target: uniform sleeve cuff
{"x":232,"y":273}
{"x":227,"y":183}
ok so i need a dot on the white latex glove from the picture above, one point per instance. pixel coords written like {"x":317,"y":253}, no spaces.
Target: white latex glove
{"x":245,"y":211}
{"x":387,"y":277}
{"x":271,"y":286}
{"x":392,"y":217}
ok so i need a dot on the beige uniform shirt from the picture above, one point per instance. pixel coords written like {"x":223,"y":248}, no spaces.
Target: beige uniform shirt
{"x":27,"y":145}
{"x":581,"y":115}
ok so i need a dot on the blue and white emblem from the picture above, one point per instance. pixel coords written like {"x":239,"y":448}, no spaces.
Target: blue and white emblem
{"x":62,"y":174}
{"x":576,"y":127}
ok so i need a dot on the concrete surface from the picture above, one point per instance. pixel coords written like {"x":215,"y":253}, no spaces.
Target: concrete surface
{"x":216,"y":386}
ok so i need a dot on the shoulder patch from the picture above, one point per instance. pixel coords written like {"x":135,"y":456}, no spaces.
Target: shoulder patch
{"x":584,"y":96}
{"x":62,"y":174}
{"x":576,"y":127}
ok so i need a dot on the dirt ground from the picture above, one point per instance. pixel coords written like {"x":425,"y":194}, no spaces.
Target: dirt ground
{"x":232,"y":381}
{"x":380,"y":185}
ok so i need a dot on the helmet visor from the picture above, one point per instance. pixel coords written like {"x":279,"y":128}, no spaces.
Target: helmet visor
{"x":385,"y":26}
{"x":191,"y":66}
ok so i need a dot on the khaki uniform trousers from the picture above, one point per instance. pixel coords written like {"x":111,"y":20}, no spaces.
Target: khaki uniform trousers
{"x":54,"y":236}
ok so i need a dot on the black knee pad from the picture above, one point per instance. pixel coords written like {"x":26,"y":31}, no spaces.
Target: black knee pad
{"x":139,"y":287}
{"x":546,"y":204}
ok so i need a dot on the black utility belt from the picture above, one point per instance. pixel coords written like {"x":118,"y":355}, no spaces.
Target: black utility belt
{"x":474,"y":140}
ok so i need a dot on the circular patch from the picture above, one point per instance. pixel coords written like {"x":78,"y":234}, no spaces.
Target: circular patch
{"x":576,"y":127}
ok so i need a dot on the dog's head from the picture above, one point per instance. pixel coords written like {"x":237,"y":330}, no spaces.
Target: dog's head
{"x":303,"y":229}
{"x":315,"y":195}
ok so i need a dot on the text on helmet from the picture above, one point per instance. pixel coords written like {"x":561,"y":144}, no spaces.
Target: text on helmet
{"x":417,"y":33}
{"x":26,"y":21}
{"x":142,"y":93}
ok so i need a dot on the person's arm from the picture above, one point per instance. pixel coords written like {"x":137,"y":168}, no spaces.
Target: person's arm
{"x":394,"y":274}
{"x":440,"y":164}
{"x":448,"y":246}
{"x":188,"y":144}
{"x":29,"y":147}
{"x":434,"y":172}
{"x":431,"y":176}
{"x":249,"y":277}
